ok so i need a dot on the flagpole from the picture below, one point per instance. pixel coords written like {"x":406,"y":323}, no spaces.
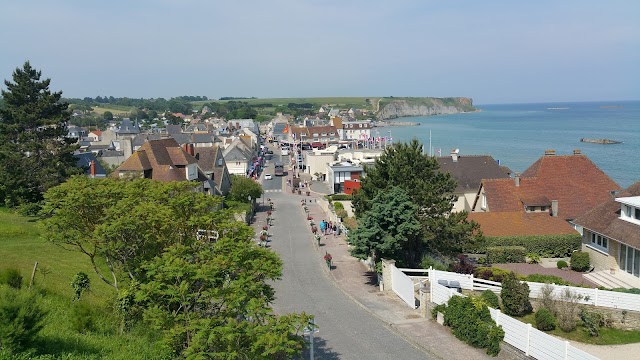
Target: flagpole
{"x":429,"y":142}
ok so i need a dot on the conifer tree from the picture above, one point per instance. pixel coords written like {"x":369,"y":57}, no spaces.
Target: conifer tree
{"x":35,"y":155}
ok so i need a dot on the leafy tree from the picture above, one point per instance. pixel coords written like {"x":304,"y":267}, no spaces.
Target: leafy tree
{"x":211,"y":300}
{"x":515,"y":296}
{"x":107,"y":115}
{"x":389,"y":230}
{"x":21,"y":319}
{"x":243,"y":187}
{"x":35,"y":155}
{"x":405,"y":165}
{"x":124,"y":223}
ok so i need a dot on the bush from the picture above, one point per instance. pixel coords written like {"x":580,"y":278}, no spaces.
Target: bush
{"x":471,"y":322}
{"x":592,"y":321}
{"x":80,"y":284}
{"x":490,"y":298}
{"x":429,"y":261}
{"x":548,"y":279}
{"x":82,"y":318}
{"x":628,"y":291}
{"x":533,"y":258}
{"x":11,"y":277}
{"x":515,"y":296}
{"x":561,"y":264}
{"x":338,"y":206}
{"x":342,"y":213}
{"x":21,"y":319}
{"x":341,"y":197}
{"x":548,"y":299}
{"x":566,"y":309}
{"x":463,"y":266}
{"x":506,"y":254}
{"x":543,"y":245}
{"x":350,"y":223}
{"x":580,"y":261}
{"x":545,"y":320}
{"x":490,"y":273}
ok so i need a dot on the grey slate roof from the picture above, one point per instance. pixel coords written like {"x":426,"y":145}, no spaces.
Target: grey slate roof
{"x":470,"y":170}
{"x":127,"y":127}
{"x":84,"y":161}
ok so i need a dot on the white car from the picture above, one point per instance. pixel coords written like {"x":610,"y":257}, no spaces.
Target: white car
{"x":268,"y":177}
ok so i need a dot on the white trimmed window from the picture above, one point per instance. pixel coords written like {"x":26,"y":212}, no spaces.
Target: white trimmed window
{"x":599,"y":241}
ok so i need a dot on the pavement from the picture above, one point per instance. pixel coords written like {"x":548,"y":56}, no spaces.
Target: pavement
{"x":359,"y":285}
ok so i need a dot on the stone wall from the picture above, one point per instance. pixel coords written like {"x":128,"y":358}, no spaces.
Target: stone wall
{"x":621,"y":319}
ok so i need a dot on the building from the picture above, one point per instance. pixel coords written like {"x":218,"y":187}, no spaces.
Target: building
{"x":212,"y":163}
{"x":469,"y":171}
{"x":341,"y":171}
{"x":611,"y":234}
{"x":90,"y":164}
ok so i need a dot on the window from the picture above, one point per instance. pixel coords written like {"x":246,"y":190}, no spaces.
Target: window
{"x":219,"y":162}
{"x":484,"y":201}
{"x":628,"y":211}
{"x":637,"y":214}
{"x":599,"y":241}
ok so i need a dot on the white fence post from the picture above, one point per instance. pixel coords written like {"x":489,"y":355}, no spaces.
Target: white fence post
{"x":566,"y":350}
{"x":430,"y":286}
{"x":528,"y":339}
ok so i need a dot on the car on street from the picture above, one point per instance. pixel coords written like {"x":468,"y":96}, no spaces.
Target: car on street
{"x":268,"y":177}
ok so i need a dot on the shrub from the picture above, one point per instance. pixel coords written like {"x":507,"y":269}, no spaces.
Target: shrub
{"x":543,"y":245}
{"x":80,"y":284}
{"x":592,"y":321}
{"x":545,"y":320}
{"x":548,"y":279}
{"x":82,"y":318}
{"x":338,"y":206}
{"x":463,"y":266}
{"x":11,"y":277}
{"x":515,"y":296}
{"x":547,"y":298}
{"x":533,"y":258}
{"x":629,"y":291}
{"x":490,"y":273}
{"x":566,"y":309}
{"x":561,"y":264}
{"x":580,"y":261}
{"x":438,"y":309}
{"x":350,"y":223}
{"x":429,"y":261}
{"x":471,"y":322}
{"x":506,"y":254}
{"x":21,"y":319}
{"x":342,"y":213}
{"x":490,"y":298}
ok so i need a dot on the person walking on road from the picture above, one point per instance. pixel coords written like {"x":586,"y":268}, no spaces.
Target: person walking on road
{"x":322,"y":226}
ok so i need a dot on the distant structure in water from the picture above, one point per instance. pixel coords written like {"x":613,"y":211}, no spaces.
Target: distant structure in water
{"x":600,"y":141}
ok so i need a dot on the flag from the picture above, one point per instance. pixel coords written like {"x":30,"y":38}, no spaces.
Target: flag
{"x":286,"y":129}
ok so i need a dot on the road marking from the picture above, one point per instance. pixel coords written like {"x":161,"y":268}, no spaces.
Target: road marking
{"x":273,"y":190}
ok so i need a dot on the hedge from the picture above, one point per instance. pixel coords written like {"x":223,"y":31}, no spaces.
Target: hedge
{"x":506,"y":254}
{"x":543,"y":245}
{"x":339,"y":197}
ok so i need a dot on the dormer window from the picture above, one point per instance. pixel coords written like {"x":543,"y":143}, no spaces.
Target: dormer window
{"x":219,"y":162}
{"x":630,"y":209}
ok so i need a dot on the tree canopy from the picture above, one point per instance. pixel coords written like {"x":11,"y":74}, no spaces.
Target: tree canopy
{"x":243,"y":187}
{"x":431,"y":191}
{"x":35,"y":153}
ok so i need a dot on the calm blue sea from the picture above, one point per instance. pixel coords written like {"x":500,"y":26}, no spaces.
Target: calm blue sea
{"x":518,"y":134}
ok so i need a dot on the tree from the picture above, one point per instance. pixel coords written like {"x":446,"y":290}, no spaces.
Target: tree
{"x":389,"y":230}
{"x":242,"y":188}
{"x":515,"y":296}
{"x":211,"y":300}
{"x":21,"y":319}
{"x":405,"y":165}
{"x":107,"y":115}
{"x":124,"y":223}
{"x":35,"y":153}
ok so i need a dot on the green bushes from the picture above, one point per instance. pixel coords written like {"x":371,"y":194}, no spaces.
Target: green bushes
{"x":21,"y":319}
{"x":471,"y":322}
{"x":561,"y":264}
{"x":490,"y":273}
{"x":338,"y":197}
{"x":545,"y":320}
{"x":592,"y":321}
{"x":11,"y":277}
{"x":429,"y":261}
{"x":342,"y":213}
{"x":82,"y":318}
{"x":543,"y":245}
{"x":506,"y":254}
{"x":490,"y":298}
{"x":548,"y":279}
{"x":515,"y":296}
{"x":80,"y":284}
{"x":338,"y":206}
{"x":580,"y":261}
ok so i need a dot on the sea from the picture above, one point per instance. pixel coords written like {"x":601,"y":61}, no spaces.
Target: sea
{"x":518,"y":134}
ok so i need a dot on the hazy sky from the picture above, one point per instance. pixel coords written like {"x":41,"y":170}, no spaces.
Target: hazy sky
{"x":492,"y":51}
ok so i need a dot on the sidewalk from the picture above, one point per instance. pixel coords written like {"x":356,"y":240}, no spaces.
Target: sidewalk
{"x":354,"y":279}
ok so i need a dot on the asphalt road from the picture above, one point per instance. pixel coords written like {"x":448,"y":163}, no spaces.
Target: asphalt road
{"x":276,"y":181}
{"x":346,"y":331}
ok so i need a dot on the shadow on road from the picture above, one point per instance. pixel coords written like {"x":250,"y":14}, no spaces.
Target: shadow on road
{"x":320,"y":350}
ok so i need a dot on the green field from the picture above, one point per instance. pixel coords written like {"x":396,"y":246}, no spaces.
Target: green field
{"x":20,"y":246}
{"x":115,"y":109}
{"x":341,"y":102}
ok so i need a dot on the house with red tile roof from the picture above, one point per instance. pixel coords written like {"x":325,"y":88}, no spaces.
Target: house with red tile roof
{"x":165,"y":160}
{"x":566,"y":186}
{"x":611,"y":233}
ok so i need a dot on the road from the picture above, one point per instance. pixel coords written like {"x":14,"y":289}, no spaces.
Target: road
{"x":276,"y":183}
{"x":346,"y":331}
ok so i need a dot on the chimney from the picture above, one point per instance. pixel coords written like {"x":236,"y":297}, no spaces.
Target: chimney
{"x":554,"y":208}
{"x":185,"y":147}
{"x":92,"y":168}
{"x":192,"y":150}
{"x":454,"y":155}
{"x":577,"y":152}
{"x":516,"y":178}
{"x":613,"y":194}
{"x":549,"y":152}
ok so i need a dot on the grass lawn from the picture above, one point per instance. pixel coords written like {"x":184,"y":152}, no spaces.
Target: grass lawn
{"x":20,"y":246}
{"x":608,"y":336}
{"x":341,"y":102}
{"x":115,"y":109}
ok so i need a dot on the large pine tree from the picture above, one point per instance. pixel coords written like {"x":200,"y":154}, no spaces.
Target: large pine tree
{"x":35,"y":155}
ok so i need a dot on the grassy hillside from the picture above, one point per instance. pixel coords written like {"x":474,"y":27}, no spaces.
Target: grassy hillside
{"x":341,"y":102}
{"x":20,"y":246}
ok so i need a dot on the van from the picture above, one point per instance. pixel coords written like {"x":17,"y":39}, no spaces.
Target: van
{"x":285,"y":152}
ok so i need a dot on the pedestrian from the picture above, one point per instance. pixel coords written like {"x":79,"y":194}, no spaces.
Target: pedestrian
{"x":335,"y":230}
{"x":322,"y":225}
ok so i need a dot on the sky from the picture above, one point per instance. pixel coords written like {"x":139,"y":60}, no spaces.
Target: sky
{"x":491,"y":51}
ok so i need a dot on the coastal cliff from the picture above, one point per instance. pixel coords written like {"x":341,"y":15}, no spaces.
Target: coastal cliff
{"x":393,"y":108}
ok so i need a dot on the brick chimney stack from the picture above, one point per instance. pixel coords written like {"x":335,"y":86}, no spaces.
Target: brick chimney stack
{"x":554,"y":208}
{"x":92,"y":168}
{"x":577,"y":152}
{"x":549,"y":152}
{"x":454,"y":155}
{"x":516,"y":178}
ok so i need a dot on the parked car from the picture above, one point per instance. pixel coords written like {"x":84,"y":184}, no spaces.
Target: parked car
{"x":268,"y":177}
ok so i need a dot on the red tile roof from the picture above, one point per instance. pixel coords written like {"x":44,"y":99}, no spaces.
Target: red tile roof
{"x":574,"y":180}
{"x":520,"y":223}
{"x":165,"y":158}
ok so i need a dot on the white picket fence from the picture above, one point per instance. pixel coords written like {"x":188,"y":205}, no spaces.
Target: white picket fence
{"x":588,"y":296}
{"x":524,"y":337}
